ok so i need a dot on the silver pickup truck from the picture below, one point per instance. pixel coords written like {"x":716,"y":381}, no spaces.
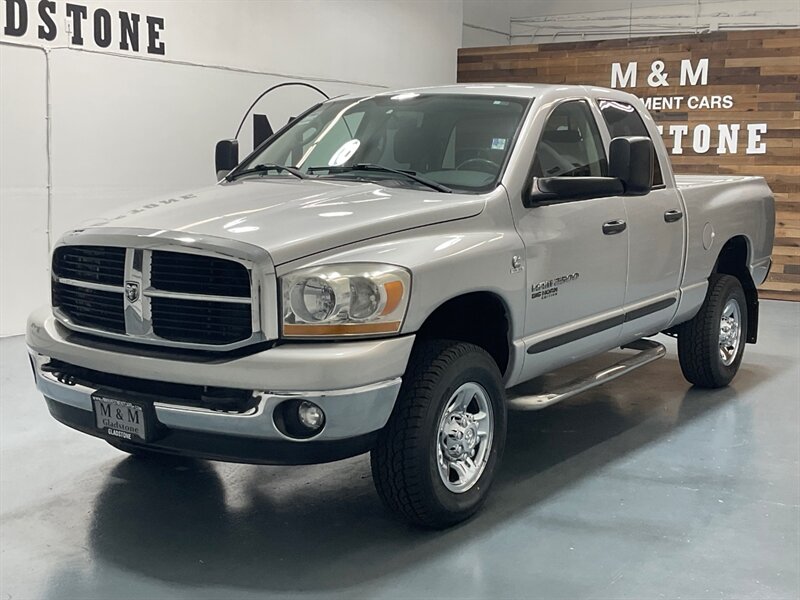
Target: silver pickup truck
{"x":384,"y":272}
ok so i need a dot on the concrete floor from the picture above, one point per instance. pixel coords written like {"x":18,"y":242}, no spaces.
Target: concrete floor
{"x":643,"y":488}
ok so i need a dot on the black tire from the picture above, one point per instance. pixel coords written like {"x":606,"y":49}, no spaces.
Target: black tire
{"x":698,"y":339}
{"x":404,"y":460}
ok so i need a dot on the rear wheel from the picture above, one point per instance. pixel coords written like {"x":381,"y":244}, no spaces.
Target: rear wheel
{"x":711,"y":345}
{"x":435,"y":460}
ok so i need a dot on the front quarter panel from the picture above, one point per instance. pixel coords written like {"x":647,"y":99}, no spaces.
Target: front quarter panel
{"x":448,"y":260}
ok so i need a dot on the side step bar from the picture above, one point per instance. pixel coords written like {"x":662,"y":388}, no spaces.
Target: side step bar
{"x":648,"y":352}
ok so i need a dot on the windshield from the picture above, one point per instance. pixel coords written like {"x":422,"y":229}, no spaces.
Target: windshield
{"x":456,"y":141}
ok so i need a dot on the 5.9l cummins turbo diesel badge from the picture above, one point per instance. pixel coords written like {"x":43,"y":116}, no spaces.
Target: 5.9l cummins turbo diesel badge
{"x":549,"y":288}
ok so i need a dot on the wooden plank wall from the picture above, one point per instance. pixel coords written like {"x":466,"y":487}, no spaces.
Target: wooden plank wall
{"x":758,"y":69}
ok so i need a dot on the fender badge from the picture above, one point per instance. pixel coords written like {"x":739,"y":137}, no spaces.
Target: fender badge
{"x":516,"y":264}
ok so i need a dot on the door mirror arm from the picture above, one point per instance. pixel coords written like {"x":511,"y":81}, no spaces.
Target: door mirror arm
{"x":550,"y":190}
{"x":536,"y":196}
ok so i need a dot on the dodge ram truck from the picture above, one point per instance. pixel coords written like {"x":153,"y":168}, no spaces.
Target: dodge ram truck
{"x":383,"y":273}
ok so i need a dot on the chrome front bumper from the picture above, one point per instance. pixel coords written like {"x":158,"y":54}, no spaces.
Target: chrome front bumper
{"x":273,"y":376}
{"x":348,"y":413}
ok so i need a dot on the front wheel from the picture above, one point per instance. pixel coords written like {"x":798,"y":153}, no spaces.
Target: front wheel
{"x":435,"y":460}
{"x":710,"y":346}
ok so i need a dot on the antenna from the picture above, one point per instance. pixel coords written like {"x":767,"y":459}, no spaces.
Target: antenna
{"x":275,"y":87}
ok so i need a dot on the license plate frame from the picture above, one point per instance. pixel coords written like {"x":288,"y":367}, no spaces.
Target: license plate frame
{"x":121,"y":418}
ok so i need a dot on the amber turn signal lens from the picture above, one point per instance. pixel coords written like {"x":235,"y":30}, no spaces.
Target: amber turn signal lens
{"x":394,"y":293}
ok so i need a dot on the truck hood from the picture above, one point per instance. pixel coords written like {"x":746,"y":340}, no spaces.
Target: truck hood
{"x":295,"y":218}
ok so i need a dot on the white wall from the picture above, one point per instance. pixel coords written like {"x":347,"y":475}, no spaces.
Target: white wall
{"x":126,"y":126}
{"x":543,"y":21}
{"x":23,"y":185}
{"x":488,"y":23}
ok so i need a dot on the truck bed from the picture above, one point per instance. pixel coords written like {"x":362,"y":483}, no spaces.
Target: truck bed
{"x":720,"y":207}
{"x":684,"y":182}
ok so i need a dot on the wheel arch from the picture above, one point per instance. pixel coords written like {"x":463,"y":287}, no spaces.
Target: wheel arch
{"x":734,"y":259}
{"x":455,"y":318}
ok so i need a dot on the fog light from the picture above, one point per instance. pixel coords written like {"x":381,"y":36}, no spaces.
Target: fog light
{"x":310,"y":415}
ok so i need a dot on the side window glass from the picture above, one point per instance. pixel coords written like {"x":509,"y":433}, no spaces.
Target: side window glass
{"x":623,"y":120}
{"x":570,"y":145}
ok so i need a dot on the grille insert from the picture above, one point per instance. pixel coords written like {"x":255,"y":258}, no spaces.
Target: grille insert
{"x":90,"y":308}
{"x":201,"y":322}
{"x":198,"y":274}
{"x":95,"y":264}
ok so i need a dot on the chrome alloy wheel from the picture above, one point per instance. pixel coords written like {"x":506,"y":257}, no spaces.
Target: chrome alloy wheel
{"x":730,"y":332}
{"x":465,"y":437}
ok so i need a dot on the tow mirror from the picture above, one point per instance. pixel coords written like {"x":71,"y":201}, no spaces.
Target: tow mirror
{"x":226,"y":157}
{"x":262,"y":130}
{"x":630,"y":170}
{"x":631,"y":160}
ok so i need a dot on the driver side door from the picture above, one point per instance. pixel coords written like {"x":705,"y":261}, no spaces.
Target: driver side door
{"x":576,"y":251}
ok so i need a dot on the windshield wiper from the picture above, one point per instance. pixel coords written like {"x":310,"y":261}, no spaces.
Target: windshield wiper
{"x":267,"y":167}
{"x":373,"y":167}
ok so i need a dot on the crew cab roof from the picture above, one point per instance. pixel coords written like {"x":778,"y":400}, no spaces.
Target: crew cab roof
{"x":519,"y":90}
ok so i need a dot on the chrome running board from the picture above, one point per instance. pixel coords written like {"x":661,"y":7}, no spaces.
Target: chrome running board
{"x":648,"y":352}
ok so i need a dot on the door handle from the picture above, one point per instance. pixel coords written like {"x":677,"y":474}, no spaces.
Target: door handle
{"x":673,"y":215}
{"x":613,"y":227}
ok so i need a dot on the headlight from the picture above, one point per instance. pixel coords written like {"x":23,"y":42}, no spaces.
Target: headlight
{"x":354,"y":299}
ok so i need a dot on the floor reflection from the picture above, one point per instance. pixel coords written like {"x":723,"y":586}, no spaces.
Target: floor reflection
{"x":322,"y":527}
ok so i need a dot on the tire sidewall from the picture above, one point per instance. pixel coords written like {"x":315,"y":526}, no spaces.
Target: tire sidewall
{"x":476,"y":367}
{"x":732,"y":289}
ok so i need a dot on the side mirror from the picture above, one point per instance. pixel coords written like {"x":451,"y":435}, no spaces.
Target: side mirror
{"x":226,"y":157}
{"x":631,"y":160}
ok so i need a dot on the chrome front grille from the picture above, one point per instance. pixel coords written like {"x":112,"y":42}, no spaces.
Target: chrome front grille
{"x":187,"y":299}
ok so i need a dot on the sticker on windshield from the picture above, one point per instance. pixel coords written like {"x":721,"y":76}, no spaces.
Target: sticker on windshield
{"x":498,"y":143}
{"x":345,"y":153}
